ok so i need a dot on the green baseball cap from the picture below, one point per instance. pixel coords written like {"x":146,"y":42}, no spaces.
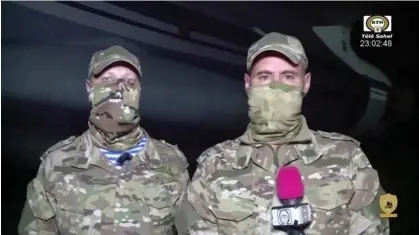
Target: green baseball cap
{"x":287,"y":45}
{"x":101,"y":59}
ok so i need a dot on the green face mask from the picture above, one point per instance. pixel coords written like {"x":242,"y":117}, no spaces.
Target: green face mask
{"x":115,"y":106}
{"x":275,"y":110}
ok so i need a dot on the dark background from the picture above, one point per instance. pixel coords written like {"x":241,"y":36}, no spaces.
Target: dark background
{"x":196,"y":102}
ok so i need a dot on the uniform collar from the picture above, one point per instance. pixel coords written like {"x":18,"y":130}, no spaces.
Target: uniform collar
{"x":89,"y":154}
{"x":263,"y":155}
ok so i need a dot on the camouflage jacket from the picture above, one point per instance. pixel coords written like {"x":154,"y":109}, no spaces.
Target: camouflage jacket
{"x":233,"y":187}
{"x":77,"y":191}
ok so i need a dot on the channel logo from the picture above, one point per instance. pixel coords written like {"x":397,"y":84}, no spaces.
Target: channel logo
{"x":377,"y":23}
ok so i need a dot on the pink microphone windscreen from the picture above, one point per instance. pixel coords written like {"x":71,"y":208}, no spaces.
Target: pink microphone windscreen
{"x":289,"y":184}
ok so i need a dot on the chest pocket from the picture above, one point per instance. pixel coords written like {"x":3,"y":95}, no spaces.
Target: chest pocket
{"x":159,"y":191}
{"x":234,"y":205}
{"x":82,"y":205}
{"x":329,"y":202}
{"x":161,"y":197}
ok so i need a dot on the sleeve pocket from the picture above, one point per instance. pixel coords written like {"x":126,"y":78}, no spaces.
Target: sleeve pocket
{"x":366,"y":185}
{"x":38,"y":200}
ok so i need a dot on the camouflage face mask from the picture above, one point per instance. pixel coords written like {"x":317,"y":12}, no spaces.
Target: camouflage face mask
{"x":275,"y":110}
{"x":115,"y":106}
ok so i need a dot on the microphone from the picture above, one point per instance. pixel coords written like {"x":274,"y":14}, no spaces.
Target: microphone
{"x":293,"y":216}
{"x":289,"y":186}
{"x":123,"y":158}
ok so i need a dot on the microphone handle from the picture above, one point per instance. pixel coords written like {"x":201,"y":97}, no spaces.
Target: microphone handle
{"x":293,"y":202}
{"x":294,"y":232}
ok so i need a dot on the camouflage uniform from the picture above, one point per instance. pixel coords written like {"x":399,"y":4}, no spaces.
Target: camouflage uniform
{"x":78,"y":191}
{"x":233,"y":188}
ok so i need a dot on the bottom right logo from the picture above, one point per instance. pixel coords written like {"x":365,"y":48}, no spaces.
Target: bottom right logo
{"x":388,"y":204}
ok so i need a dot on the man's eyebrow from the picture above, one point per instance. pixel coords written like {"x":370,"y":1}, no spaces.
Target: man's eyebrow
{"x":263,"y":72}
{"x":129,"y":74}
{"x":108,"y":73}
{"x":290,"y":72}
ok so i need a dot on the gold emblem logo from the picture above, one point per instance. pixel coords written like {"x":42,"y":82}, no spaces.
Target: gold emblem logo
{"x":388,"y":204}
{"x":378,"y":23}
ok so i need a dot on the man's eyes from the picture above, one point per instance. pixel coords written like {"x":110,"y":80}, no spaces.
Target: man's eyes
{"x":289,"y":77}
{"x":107,"y":79}
{"x":110,"y":78}
{"x":286,"y":77}
{"x":263,"y":77}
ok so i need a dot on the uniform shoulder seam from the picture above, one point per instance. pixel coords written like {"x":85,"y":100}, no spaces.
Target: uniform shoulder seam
{"x":216,"y":149}
{"x":338,"y":137}
{"x":176,"y":165}
{"x":59,"y":145}
{"x":173,"y":147}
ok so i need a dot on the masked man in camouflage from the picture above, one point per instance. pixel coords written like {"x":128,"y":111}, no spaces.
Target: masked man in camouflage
{"x":233,"y":188}
{"x":84,"y":187}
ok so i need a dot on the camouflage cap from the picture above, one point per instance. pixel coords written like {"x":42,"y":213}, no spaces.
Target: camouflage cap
{"x":101,"y":59}
{"x":287,"y":45}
